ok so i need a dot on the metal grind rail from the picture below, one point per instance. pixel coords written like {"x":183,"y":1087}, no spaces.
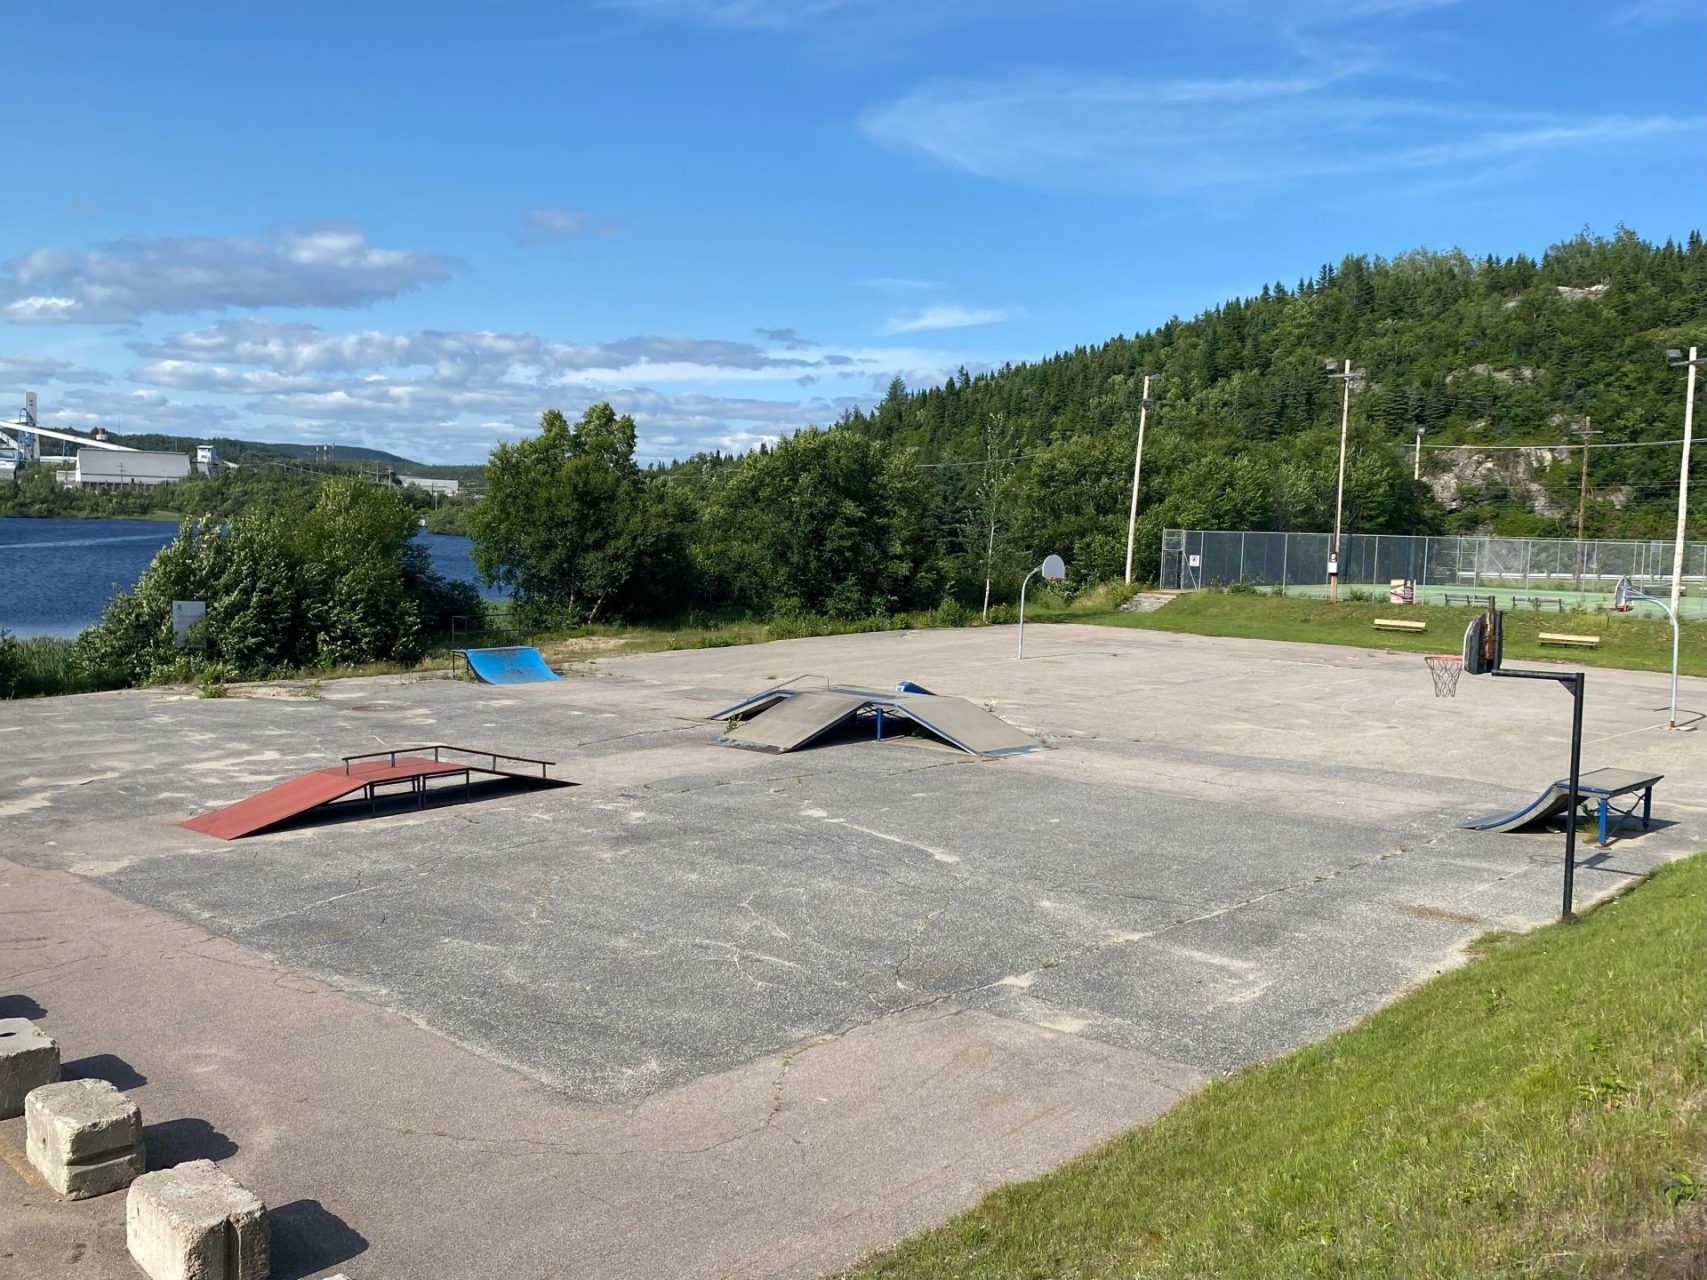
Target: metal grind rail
{"x":493,"y":756}
{"x":366,"y":773}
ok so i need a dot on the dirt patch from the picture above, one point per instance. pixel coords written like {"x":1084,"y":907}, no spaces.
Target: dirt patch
{"x":1437,"y":913}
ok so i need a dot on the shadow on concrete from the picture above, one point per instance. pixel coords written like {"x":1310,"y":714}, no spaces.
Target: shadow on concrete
{"x":20,"y":1007}
{"x":104,"y":1066}
{"x":308,"y":1238}
{"x":174,"y":1141}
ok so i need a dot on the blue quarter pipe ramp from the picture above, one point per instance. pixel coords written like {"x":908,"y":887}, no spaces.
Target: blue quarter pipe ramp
{"x":519,"y":664}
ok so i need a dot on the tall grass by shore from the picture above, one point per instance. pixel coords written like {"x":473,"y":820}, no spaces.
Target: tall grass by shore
{"x":42,"y":666}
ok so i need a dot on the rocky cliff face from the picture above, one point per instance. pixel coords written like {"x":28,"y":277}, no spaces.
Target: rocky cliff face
{"x":1461,"y":475}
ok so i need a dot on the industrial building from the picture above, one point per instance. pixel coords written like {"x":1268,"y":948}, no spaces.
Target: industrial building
{"x":130,"y":469}
{"x":445,"y":488}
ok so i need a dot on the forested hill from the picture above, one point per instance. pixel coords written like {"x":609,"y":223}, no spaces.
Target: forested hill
{"x":243,"y":451}
{"x":1244,"y":428}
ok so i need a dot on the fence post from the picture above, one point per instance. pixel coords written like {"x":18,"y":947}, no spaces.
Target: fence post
{"x":1242,"y":536}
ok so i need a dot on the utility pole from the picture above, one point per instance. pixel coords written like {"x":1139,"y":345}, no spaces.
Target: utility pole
{"x":1675,"y":357}
{"x":1339,"y":369}
{"x":1582,"y":496}
{"x":1137,"y":469}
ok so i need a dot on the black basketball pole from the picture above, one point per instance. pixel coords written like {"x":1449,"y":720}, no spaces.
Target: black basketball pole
{"x":1576,"y":684}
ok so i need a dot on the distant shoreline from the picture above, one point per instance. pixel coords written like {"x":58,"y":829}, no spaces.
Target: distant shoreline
{"x":159,"y":517}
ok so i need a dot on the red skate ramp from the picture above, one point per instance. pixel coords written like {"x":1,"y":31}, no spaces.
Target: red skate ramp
{"x":410,"y":767}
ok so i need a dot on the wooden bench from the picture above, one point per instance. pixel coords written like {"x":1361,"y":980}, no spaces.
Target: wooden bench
{"x":1400,"y":624}
{"x":1581,"y":642}
{"x":1546,"y":602}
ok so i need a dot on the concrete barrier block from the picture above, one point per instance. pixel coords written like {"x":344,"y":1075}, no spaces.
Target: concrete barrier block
{"x":84,"y":1137}
{"x":196,"y":1222}
{"x":28,"y":1059}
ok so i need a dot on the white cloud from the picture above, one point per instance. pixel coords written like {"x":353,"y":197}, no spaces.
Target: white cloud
{"x":135,"y":411}
{"x":1063,"y":129}
{"x":555,"y":223}
{"x":948,"y":316}
{"x":456,"y":355}
{"x":1653,"y":13}
{"x":22,"y":370}
{"x":447,"y":395}
{"x":752,"y":15}
{"x":900,"y":284}
{"x":326,"y":264}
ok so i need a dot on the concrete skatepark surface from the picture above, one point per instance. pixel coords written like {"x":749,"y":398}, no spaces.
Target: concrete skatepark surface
{"x":729,"y":1014}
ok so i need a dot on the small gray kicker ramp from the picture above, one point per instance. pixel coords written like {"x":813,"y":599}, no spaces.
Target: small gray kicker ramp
{"x":1603,"y":785}
{"x":795,"y":721}
{"x":1546,"y":806}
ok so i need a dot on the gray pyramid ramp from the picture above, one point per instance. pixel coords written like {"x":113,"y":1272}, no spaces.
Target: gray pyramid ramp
{"x":964,"y":725}
{"x":795,"y":722}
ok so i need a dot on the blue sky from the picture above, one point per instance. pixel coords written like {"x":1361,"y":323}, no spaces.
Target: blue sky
{"x":416,"y":225}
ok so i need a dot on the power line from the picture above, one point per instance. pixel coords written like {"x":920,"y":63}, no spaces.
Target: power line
{"x":1561,"y":446}
{"x":981,"y":462}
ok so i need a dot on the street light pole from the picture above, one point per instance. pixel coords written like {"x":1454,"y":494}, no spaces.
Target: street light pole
{"x":1338,"y":370}
{"x":1675,"y":357}
{"x":1582,"y":499}
{"x":1137,"y":469}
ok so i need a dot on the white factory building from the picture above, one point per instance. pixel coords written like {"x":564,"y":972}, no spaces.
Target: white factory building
{"x":134,"y":468}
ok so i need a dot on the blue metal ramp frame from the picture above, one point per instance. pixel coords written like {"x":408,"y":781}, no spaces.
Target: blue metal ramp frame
{"x":515,"y":664}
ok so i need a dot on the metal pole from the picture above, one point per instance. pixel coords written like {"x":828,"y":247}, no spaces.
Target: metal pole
{"x":1339,"y":492}
{"x":1417,"y":466}
{"x":1683,"y":486}
{"x":1671,"y":614}
{"x":1672,"y":723}
{"x":1577,"y":683}
{"x":1582,"y":500}
{"x":1022,"y":587}
{"x":1137,"y":468}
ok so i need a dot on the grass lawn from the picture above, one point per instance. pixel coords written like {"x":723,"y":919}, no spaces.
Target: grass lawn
{"x":1541,"y":1111}
{"x":1637,"y":643}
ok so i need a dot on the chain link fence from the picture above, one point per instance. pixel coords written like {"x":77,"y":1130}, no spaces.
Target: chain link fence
{"x":1542,"y":572}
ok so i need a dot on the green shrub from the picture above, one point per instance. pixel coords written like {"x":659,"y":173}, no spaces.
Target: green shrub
{"x":339,"y":585}
{"x":11,"y":663}
{"x":951,"y":613}
{"x":44,"y":665}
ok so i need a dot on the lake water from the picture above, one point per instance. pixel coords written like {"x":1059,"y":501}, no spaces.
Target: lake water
{"x":57,"y":575}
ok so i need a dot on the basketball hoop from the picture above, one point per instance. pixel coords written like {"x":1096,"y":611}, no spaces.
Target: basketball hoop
{"x":1624,"y":595}
{"x":1445,"y":668}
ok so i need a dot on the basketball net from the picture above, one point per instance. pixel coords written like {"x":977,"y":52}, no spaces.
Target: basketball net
{"x":1445,"y":668}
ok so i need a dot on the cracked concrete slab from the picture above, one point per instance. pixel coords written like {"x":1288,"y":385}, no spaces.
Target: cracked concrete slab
{"x":424,"y":1159}
{"x":1227,"y":848}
